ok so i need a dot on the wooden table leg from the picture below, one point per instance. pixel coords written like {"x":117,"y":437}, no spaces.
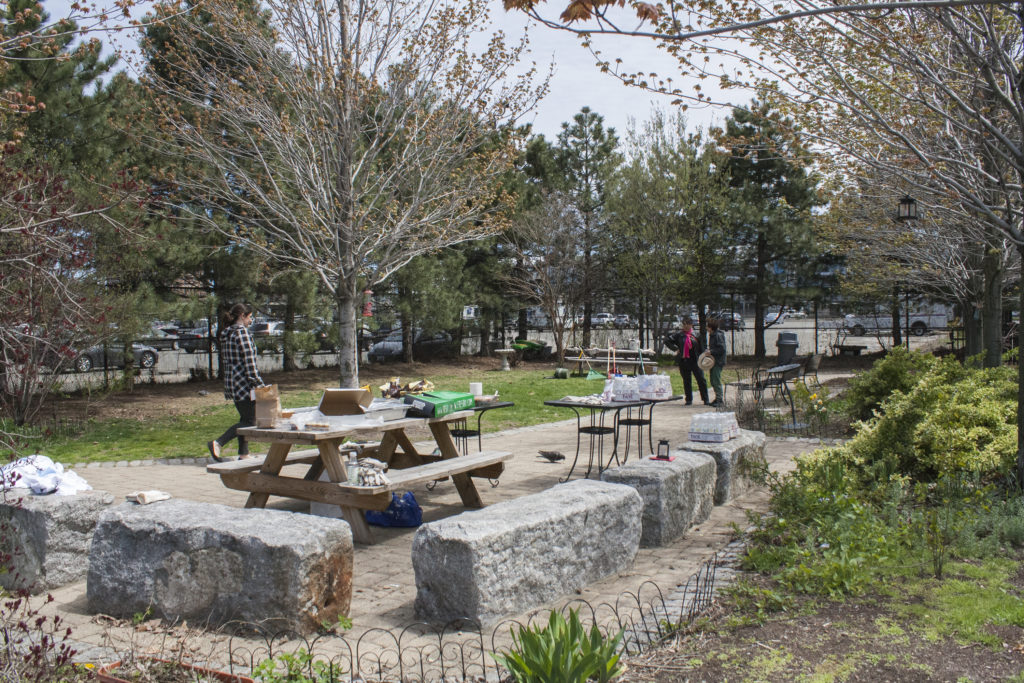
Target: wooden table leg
{"x":463,"y":482}
{"x":398,"y":459}
{"x":330,"y":455}
{"x":272,"y":464}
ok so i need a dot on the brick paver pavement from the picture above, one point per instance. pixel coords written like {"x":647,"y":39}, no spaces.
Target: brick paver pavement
{"x":383,"y":583}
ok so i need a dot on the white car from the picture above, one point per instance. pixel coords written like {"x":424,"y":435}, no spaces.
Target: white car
{"x":795,"y":313}
{"x":602,"y":320}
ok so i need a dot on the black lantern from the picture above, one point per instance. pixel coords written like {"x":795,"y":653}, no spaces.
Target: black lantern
{"x":663,"y":449}
{"x":907,"y":210}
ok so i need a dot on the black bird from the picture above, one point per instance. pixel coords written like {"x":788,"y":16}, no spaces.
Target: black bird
{"x":552,"y":456}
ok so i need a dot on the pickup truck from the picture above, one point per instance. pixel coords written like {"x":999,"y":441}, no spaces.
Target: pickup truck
{"x":921,"y":322}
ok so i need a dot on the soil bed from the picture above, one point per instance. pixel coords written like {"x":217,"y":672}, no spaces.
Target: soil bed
{"x":861,"y":639}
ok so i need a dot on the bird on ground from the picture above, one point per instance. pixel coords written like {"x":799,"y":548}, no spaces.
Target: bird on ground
{"x":552,"y":456}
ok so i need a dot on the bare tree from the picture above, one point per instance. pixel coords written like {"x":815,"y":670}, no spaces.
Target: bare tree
{"x":342,"y":138}
{"x":546,"y":244}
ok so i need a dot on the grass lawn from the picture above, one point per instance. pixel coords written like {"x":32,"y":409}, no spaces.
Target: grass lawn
{"x":185,"y":434}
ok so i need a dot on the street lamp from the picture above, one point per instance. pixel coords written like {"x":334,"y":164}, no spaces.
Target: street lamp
{"x":907,"y":210}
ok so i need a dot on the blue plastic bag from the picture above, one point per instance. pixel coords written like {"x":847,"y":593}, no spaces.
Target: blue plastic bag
{"x":404,"y":511}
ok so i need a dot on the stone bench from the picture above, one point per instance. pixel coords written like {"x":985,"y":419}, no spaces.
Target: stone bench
{"x":522,"y":553}
{"x":48,"y":537}
{"x":676,"y":494}
{"x":212,"y":564}
{"x":729,"y":456}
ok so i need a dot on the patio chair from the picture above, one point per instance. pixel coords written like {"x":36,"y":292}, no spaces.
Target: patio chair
{"x":810,"y":369}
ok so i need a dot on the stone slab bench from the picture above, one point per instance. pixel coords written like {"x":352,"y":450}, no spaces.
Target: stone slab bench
{"x":676,"y":494}
{"x":522,"y":553}
{"x":729,"y":458}
{"x":48,"y":537}
{"x":212,"y":564}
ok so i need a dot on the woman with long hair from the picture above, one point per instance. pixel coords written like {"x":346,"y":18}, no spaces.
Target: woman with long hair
{"x":238,"y":359}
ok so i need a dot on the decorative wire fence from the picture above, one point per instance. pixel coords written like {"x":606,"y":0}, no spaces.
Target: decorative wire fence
{"x":458,"y":651}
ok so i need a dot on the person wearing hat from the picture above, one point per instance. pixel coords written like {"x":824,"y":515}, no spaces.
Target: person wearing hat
{"x":688,"y":348}
{"x":716,"y":345}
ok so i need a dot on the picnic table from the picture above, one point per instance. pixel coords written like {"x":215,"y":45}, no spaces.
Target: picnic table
{"x":263,"y":478}
{"x":640,"y":361}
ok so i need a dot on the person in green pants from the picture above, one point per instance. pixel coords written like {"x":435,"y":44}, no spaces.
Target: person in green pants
{"x":716,"y":345}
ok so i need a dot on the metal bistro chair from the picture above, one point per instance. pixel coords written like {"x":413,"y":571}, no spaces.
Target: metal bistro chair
{"x":810,"y":369}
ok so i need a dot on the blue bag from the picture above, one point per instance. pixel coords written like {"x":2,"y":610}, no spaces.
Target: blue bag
{"x":404,"y":511}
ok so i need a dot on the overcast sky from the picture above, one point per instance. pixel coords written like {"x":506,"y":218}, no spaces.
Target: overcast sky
{"x":576,"y":83}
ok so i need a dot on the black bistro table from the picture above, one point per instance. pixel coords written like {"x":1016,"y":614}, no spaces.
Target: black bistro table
{"x":604,"y":421}
{"x":462,"y":433}
{"x":641,"y":422}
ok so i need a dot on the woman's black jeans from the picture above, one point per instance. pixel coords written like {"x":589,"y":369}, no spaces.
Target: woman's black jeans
{"x":246,"y":418}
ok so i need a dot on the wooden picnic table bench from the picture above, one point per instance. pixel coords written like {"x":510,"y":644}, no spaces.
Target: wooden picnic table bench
{"x":262,"y":477}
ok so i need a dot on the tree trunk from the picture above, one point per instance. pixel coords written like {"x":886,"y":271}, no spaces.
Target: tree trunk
{"x":992,"y":308}
{"x":972,"y":329}
{"x":347,"y":293}
{"x":485,"y":336}
{"x":288,"y":352}
{"x":407,"y":339}
{"x":523,"y":325}
{"x":759,"y":303}
{"x":347,"y":301}
{"x":897,"y":324}
{"x":1020,"y":391}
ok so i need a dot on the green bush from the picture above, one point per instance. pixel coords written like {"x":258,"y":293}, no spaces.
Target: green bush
{"x":561,"y":652}
{"x":898,"y":371}
{"x":953,"y":420}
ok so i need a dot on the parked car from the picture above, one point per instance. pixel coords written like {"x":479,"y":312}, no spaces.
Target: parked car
{"x":730,"y":321}
{"x":192,"y":339}
{"x":774,"y":318}
{"x":268,"y":335}
{"x":624,"y":321}
{"x":146,"y":357}
{"x":425,"y":346}
{"x":921,"y":321}
{"x":795,"y":312}
{"x":602,"y":320}
{"x":161,"y":339}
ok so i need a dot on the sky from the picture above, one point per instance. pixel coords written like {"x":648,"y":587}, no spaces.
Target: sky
{"x":576,"y":83}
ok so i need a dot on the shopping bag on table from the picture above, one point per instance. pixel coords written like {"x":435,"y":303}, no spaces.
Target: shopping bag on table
{"x":402,"y":512}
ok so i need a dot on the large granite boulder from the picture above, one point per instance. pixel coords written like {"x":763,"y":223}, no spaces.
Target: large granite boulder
{"x":47,"y":537}
{"x":676,"y":494}
{"x":730,"y":457}
{"x":213,"y":564}
{"x":522,"y":553}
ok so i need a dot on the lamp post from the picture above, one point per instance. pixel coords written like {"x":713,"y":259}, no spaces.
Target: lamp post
{"x":906,"y":210}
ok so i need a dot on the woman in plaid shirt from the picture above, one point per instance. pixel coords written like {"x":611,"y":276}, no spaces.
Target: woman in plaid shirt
{"x":238,"y":359}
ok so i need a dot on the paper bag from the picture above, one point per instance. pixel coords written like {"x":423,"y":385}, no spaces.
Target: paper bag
{"x":268,"y":405}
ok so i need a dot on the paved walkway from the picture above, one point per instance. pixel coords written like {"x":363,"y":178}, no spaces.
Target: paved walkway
{"x":383,"y":584}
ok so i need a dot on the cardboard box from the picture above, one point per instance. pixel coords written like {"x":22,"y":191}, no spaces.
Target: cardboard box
{"x":345,"y":401}
{"x":439,"y":403}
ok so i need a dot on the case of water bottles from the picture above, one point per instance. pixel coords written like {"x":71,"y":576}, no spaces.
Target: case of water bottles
{"x":714,"y":427}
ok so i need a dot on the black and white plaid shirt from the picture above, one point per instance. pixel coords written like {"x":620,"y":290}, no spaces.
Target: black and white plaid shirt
{"x":238,"y":354}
